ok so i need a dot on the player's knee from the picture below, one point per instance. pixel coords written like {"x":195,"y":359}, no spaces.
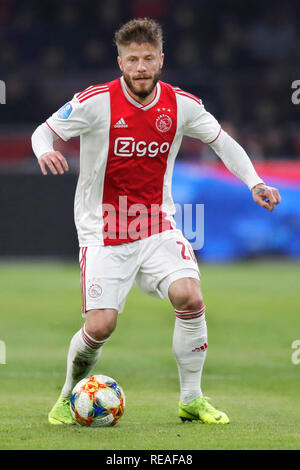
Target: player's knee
{"x":192,"y":302}
{"x":188,"y":300}
{"x":100,"y":331}
{"x":101,"y":323}
{"x":185,"y":294}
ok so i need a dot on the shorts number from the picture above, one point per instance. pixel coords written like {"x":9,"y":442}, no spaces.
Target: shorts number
{"x":183,"y":255}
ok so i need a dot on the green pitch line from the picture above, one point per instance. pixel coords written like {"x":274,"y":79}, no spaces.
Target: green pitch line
{"x":252,"y":316}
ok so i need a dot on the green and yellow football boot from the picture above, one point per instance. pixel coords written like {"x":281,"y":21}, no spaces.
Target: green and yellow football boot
{"x":200,"y":409}
{"x":61,"y":413}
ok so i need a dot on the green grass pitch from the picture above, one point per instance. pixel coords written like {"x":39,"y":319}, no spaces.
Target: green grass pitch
{"x":252,"y":316}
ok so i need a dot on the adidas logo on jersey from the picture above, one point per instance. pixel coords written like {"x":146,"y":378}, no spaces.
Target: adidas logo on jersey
{"x":121,"y":123}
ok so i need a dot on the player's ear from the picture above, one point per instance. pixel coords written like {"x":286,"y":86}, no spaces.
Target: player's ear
{"x":120,"y":62}
{"x":162,"y":58}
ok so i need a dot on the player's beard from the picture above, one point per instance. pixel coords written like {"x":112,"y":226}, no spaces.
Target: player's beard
{"x":142,"y":93}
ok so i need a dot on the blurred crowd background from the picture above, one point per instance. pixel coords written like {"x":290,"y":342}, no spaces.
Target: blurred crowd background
{"x":240,"y":58}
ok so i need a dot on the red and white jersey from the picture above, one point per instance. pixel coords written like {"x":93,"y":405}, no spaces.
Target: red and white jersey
{"x":127,"y":155}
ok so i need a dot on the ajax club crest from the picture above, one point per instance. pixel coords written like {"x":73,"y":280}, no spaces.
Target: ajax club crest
{"x":163,"y":123}
{"x":95,"y":291}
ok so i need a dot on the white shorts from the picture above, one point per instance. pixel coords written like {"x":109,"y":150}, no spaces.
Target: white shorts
{"x":108,"y":272}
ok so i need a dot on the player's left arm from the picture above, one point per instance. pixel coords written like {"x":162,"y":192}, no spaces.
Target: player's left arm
{"x":200,"y":124}
{"x":237,"y":161}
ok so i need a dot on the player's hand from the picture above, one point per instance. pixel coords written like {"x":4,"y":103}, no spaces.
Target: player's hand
{"x":55,"y":161}
{"x":266,"y":196}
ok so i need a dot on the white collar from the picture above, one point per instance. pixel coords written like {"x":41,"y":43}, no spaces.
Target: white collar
{"x":136,"y":103}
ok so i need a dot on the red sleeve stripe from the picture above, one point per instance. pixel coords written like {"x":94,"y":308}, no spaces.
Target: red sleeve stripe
{"x":86,"y":89}
{"x":55,"y":132}
{"x":186,"y":93}
{"x":183,"y":93}
{"x":93,"y":94}
{"x":91,"y":90}
{"x":216,"y":137}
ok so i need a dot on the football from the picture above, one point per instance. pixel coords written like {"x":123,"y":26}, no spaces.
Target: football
{"x":97,"y":401}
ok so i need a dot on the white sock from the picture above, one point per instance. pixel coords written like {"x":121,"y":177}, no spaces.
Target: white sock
{"x":189,"y":347}
{"x":84,"y":352}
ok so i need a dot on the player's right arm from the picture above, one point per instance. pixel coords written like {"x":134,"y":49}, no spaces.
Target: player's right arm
{"x":71,"y":120}
{"x":42,"y":141}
